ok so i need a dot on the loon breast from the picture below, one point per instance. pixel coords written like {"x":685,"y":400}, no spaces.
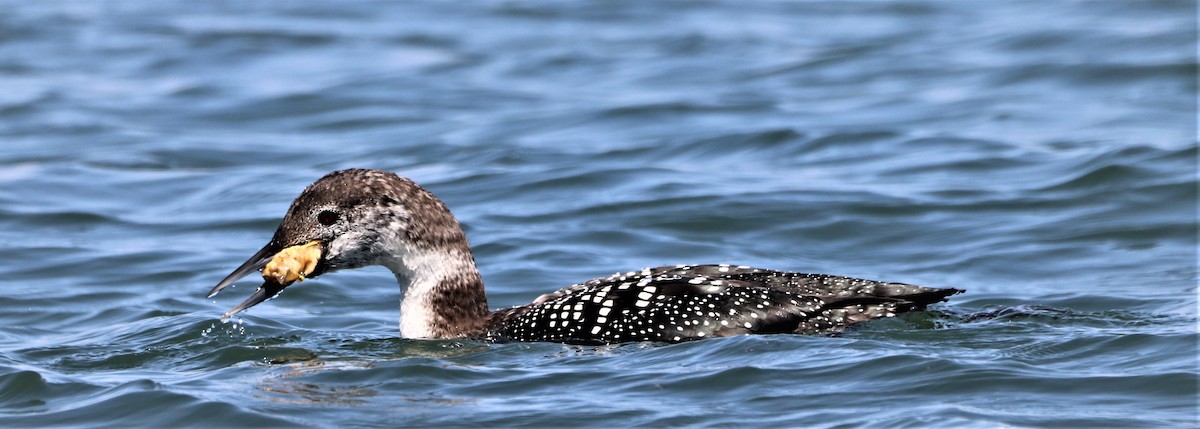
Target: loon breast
{"x":690,"y":302}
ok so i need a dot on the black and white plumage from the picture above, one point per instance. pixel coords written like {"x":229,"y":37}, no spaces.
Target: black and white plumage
{"x":354,"y":218}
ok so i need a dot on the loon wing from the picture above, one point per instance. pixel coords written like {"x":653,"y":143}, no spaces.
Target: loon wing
{"x":682,"y":303}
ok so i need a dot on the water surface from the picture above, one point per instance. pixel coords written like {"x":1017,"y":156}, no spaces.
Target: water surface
{"x":1041,"y":156}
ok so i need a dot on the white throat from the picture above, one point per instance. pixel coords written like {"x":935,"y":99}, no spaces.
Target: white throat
{"x":420,"y":271}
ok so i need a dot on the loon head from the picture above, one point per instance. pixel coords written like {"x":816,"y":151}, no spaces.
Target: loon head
{"x":355,"y":218}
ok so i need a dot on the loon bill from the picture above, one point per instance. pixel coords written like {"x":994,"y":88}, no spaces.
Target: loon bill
{"x":355,"y":218}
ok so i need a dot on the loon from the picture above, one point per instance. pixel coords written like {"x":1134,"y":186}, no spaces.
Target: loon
{"x":359,"y":217}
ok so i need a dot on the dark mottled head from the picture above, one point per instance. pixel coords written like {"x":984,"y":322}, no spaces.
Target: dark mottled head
{"x":360,"y":217}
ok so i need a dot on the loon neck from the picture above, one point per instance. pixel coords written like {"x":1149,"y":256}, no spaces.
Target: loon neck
{"x":443,"y":295}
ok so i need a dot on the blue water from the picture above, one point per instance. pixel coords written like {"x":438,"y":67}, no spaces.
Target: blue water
{"x":1040,"y":155}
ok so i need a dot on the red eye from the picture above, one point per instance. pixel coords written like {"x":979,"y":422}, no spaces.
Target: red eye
{"x":327,"y":217}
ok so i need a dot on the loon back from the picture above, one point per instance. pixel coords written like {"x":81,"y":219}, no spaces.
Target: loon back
{"x":355,"y":218}
{"x":689,"y":302}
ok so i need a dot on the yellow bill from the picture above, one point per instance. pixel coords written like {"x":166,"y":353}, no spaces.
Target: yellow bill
{"x":279,"y":269}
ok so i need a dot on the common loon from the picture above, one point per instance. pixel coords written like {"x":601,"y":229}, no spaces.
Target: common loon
{"x":358,"y":217}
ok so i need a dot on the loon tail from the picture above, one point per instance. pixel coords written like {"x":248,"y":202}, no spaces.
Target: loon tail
{"x":888,"y":300}
{"x":917,"y":296}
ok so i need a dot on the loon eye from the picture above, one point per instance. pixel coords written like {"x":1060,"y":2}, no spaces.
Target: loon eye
{"x":327,"y":217}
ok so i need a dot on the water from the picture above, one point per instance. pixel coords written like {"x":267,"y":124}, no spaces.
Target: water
{"x":1040,"y":155}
